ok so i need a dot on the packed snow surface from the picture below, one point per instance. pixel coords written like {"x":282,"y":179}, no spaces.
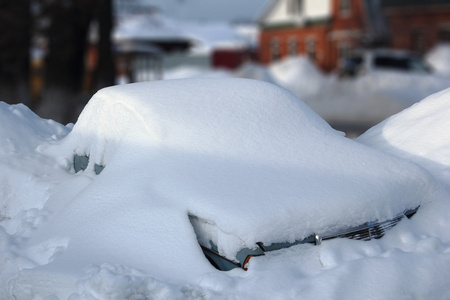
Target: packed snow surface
{"x":247,"y":156}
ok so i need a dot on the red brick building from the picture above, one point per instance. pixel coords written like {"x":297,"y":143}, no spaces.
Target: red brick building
{"x":329,"y":30}
{"x":417,"y":24}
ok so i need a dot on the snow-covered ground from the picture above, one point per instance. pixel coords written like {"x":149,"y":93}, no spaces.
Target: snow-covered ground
{"x":205,"y":146}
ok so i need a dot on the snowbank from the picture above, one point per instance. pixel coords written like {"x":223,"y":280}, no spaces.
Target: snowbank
{"x":419,"y":133}
{"x":299,"y":75}
{"x":21,"y":133}
{"x":439,"y":58}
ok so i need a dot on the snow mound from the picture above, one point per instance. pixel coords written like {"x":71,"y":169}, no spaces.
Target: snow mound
{"x":29,"y":129}
{"x":255,"y":71}
{"x":21,"y":135}
{"x":419,"y":133}
{"x":439,"y":58}
{"x":299,"y":75}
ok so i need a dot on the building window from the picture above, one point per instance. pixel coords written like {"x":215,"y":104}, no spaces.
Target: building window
{"x":311,"y":48}
{"x":345,"y":7}
{"x":294,"y":7}
{"x":275,"y":49}
{"x":292,"y":46}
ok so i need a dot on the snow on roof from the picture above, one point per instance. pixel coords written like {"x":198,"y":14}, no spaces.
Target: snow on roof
{"x":284,"y":11}
{"x":245,"y":155}
{"x":151,"y":27}
{"x":205,"y":35}
{"x":218,"y":35}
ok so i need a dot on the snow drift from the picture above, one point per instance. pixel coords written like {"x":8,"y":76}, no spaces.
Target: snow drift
{"x":417,"y":134}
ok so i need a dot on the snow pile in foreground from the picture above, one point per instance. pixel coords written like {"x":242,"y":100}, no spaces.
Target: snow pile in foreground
{"x":21,"y":192}
{"x":223,"y":150}
{"x":439,"y":58}
{"x":417,"y":134}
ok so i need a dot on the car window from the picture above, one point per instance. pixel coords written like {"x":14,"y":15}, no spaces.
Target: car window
{"x":403,"y":63}
{"x":399,"y":63}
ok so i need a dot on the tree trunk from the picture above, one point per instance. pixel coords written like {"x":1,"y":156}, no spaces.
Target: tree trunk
{"x":15,"y":32}
{"x":67,"y":41}
{"x":105,"y":74}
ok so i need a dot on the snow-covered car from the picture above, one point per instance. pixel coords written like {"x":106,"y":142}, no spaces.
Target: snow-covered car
{"x":366,"y":61}
{"x":234,"y":167}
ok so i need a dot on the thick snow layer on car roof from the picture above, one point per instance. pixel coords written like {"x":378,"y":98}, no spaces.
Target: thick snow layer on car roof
{"x":419,"y":133}
{"x":246,"y":155}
